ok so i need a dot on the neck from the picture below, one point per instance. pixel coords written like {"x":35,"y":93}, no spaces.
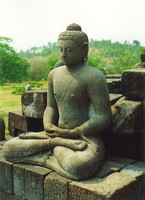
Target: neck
{"x":75,"y":67}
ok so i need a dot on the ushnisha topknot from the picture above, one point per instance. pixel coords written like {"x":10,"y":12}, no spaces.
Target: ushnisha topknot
{"x":74,"y":32}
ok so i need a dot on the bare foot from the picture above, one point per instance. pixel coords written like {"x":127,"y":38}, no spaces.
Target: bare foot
{"x":79,"y":145}
{"x":34,"y":135}
{"x":71,"y":144}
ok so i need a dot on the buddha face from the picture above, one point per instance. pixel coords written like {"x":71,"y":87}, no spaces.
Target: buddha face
{"x":72,"y":55}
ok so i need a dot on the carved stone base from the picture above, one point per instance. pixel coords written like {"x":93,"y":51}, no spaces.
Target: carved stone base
{"x":124,"y":180}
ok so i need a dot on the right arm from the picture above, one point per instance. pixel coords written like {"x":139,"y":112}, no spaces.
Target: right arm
{"x":50,"y":118}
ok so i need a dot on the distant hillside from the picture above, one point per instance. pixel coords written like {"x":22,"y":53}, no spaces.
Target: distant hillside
{"x":109,"y":57}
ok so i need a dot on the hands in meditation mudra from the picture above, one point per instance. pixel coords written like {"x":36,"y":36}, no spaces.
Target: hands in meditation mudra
{"x":77,"y":113}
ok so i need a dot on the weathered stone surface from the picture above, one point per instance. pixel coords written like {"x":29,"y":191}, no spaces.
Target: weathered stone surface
{"x":6,"y":196}
{"x":55,"y":187}
{"x":34,"y":182}
{"x":6,"y":178}
{"x":133,"y":83}
{"x":115,"y":187}
{"x":19,"y":180}
{"x":127,"y":117}
{"x":109,"y":167}
{"x":132,"y":170}
{"x":138,"y":173}
{"x":34,"y":103}
{"x":20,"y":124}
{"x":17,"y":122}
{"x":119,"y":159}
{"x":114,"y":98}
{"x":114,"y":85}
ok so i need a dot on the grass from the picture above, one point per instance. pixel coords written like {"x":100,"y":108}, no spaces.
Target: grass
{"x":11,"y":102}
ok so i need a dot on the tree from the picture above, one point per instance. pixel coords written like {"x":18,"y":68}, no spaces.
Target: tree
{"x":136,"y":42}
{"x":12,"y":67}
{"x":37,"y":70}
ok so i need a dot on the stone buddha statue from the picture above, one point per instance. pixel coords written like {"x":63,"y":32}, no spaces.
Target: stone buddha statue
{"x":77,"y":114}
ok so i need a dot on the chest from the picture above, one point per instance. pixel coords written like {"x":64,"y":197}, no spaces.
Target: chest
{"x":69,"y":87}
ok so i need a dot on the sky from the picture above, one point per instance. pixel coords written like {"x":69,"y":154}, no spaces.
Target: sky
{"x":36,"y":22}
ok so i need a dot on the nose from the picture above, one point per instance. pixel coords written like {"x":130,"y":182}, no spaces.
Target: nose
{"x":64,"y":54}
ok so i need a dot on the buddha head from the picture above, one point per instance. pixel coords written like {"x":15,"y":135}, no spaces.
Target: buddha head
{"x":73,"y":44}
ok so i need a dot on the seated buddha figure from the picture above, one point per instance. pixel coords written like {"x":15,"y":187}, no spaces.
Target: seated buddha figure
{"x":77,"y":114}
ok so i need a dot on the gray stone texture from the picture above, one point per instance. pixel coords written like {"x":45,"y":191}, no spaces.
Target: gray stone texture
{"x":55,"y":187}
{"x":19,"y":124}
{"x":6,"y":177}
{"x":114,"y":85}
{"x":127,"y":117}
{"x":138,"y":173}
{"x":121,"y":160}
{"x":133,"y":83}
{"x":34,"y":103}
{"x":109,"y":167}
{"x":34,"y":182}
{"x":6,"y":196}
{"x":115,"y":187}
{"x":19,"y":180}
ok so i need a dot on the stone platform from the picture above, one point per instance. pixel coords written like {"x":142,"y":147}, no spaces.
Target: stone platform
{"x":118,"y":179}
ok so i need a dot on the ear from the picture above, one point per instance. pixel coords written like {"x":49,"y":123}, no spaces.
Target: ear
{"x":85,"y":51}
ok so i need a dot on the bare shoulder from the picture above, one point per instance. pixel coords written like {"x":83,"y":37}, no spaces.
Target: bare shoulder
{"x":92,"y":74}
{"x":55,"y":71}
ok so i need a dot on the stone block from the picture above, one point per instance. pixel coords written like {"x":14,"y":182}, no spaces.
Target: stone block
{"x":109,"y":167}
{"x":127,"y":117}
{"x":138,"y":173}
{"x":134,"y":171}
{"x":121,"y":160}
{"x":34,"y":103}
{"x":114,"y":98}
{"x":34,"y":182}
{"x":6,"y":196}
{"x":114,"y":85}
{"x":133,"y":83}
{"x":55,"y":187}
{"x":19,"y":180}
{"x":19,"y":123}
{"x":114,"y":187}
{"x":6,"y":177}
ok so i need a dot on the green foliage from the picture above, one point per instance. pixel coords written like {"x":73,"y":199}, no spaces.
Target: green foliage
{"x":52,"y":59}
{"x":45,"y":50}
{"x":20,"y":89}
{"x":114,"y":57}
{"x":142,"y":50}
{"x":12,"y":67}
{"x":110,"y":57}
{"x":37,"y":70}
